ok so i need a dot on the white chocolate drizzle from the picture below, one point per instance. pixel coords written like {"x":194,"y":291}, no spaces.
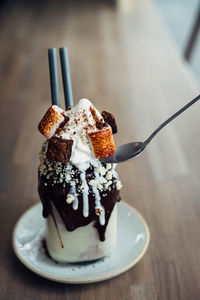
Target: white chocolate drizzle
{"x":98,"y":198}
{"x":73,"y":190}
{"x":104,"y":177}
{"x":85,"y":195}
{"x":75,"y":202}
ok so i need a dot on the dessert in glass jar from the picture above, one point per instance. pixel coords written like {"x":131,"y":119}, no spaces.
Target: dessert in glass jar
{"x":78,"y":192}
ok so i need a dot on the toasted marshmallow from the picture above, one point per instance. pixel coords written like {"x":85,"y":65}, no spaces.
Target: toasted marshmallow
{"x":102,"y":142}
{"x":51,"y":121}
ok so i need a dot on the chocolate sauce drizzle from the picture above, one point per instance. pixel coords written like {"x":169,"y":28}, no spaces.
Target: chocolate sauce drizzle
{"x":57,"y":194}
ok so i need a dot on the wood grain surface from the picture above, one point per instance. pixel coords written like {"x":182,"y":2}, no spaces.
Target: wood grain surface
{"x":122,"y":58}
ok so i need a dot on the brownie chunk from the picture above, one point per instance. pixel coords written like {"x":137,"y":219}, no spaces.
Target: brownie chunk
{"x":59,"y":150}
{"x":110,"y":119}
{"x":99,"y":123}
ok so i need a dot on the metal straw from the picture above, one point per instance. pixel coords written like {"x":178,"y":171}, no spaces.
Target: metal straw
{"x":66,"y":77}
{"x":53,"y":70}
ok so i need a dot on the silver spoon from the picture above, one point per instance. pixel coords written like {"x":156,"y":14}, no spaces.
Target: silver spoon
{"x":130,"y":150}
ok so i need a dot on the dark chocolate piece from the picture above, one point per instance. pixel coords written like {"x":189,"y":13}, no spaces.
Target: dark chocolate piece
{"x":110,"y":119}
{"x":99,"y":124}
{"x":59,"y":150}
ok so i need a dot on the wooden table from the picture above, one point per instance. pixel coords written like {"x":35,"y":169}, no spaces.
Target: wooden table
{"x":122,"y":59}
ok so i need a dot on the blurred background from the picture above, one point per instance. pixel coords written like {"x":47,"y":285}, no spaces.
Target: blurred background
{"x":134,"y":54}
{"x":138,"y":59}
{"x":182,"y":19}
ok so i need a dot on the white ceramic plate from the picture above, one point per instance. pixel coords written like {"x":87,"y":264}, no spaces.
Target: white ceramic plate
{"x":133,"y":240}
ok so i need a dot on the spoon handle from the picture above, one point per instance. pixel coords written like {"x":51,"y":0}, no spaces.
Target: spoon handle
{"x":171,"y":118}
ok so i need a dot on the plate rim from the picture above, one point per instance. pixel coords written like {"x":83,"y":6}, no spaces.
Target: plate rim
{"x":93,"y":279}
